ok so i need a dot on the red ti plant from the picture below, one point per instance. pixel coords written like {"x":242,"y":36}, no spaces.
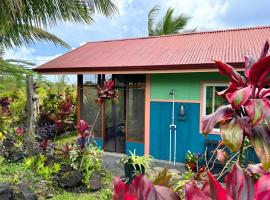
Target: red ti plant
{"x":83,"y":133}
{"x":248,"y":112}
{"x":107,"y":91}
{"x":19,"y":131}
{"x":141,"y":189}
{"x":44,"y":145}
{"x":239,"y":186}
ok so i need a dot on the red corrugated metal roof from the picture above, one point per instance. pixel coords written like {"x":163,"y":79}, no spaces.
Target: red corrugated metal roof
{"x":173,"y":52}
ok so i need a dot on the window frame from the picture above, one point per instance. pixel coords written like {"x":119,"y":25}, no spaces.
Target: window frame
{"x":204,"y":85}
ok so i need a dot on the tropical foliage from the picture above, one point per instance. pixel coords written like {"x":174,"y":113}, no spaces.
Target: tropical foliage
{"x":239,"y":186}
{"x":169,"y":24}
{"x":23,"y":22}
{"x":248,"y":113}
{"x":141,"y":188}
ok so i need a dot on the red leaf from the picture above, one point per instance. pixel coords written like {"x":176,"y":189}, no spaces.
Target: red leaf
{"x":238,"y":185}
{"x":249,"y":61}
{"x":231,"y":73}
{"x":264,"y":50}
{"x":260,"y":139}
{"x":264,"y":93}
{"x":82,"y":127}
{"x":245,"y":123}
{"x":256,"y":169}
{"x":217,"y":191}
{"x":141,"y":189}
{"x":221,"y":114}
{"x":262,"y":188}
{"x":232,"y":134}
{"x":239,"y":97}
{"x":222,"y":156}
{"x":109,"y":84}
{"x":192,"y":192}
{"x":165,"y":193}
{"x":259,"y":70}
{"x":255,"y":110}
{"x":231,"y":88}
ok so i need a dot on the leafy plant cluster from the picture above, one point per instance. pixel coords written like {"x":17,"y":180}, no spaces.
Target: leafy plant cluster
{"x":141,"y":162}
{"x":246,"y":117}
{"x":57,"y":114}
{"x":191,"y":157}
{"x":83,"y":155}
{"x":38,"y":164}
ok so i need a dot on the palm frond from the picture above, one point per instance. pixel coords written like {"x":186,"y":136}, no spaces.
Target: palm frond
{"x":50,"y":12}
{"x":26,"y":36}
{"x":170,"y":24}
{"x":105,"y":7}
{"x":151,"y":19}
{"x":9,"y":69}
{"x":20,"y":62}
{"x":19,"y":18}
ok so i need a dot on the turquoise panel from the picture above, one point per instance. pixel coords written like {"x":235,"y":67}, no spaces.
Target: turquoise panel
{"x":188,"y":136}
{"x":131,"y":146}
{"x":99,"y":142}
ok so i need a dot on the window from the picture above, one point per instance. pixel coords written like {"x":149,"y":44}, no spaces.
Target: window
{"x":136,"y":98}
{"x":89,"y":107}
{"x":211,"y":101}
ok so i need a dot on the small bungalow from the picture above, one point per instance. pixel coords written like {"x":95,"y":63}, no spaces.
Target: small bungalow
{"x":165,"y":83}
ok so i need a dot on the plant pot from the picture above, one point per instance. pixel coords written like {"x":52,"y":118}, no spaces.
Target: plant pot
{"x":191,"y":165}
{"x":130,"y":171}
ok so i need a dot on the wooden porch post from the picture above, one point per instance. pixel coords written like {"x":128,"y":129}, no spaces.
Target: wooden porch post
{"x":31,"y":119}
{"x":147,"y":116}
{"x":79,"y":96}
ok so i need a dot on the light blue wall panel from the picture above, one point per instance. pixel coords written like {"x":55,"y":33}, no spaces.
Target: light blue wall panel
{"x":99,"y":142}
{"x":131,"y":146}
{"x":188,"y":136}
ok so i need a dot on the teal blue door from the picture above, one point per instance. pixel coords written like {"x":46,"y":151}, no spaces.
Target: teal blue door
{"x":187,"y":130}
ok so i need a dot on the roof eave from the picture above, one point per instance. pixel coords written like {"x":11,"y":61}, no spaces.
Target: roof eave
{"x":188,"y":68}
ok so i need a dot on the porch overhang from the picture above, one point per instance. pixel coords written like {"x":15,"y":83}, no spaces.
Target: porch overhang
{"x":154,"y":69}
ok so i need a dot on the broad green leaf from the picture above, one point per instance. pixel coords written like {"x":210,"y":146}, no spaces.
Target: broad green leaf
{"x":232,"y":134}
{"x":255,"y":110}
{"x":239,"y":97}
{"x":260,"y":139}
{"x":210,"y":121}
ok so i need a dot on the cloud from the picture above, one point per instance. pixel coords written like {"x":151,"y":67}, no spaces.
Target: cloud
{"x":204,"y":14}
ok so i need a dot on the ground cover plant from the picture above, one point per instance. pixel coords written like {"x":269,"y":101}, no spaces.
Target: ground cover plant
{"x":66,"y":163}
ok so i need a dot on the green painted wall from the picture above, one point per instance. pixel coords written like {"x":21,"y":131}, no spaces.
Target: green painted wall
{"x":186,"y":85}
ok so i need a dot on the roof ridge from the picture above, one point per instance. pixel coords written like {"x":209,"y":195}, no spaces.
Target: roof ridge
{"x":183,"y":34}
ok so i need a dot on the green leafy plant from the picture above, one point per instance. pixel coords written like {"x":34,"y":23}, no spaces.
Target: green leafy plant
{"x":191,"y":157}
{"x":187,"y":176}
{"x":74,"y":156}
{"x":37,"y":163}
{"x":137,"y":161}
{"x":91,"y":162}
{"x":163,"y":178}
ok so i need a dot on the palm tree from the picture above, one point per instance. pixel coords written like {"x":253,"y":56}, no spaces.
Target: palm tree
{"x":169,"y":24}
{"x":23,"y":21}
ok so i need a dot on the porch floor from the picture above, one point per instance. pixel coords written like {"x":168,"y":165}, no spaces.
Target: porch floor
{"x":112,"y":163}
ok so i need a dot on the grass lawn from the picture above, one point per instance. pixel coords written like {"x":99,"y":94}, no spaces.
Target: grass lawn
{"x":62,"y":140}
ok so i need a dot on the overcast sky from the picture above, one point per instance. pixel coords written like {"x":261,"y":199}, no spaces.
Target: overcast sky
{"x":132,"y":22}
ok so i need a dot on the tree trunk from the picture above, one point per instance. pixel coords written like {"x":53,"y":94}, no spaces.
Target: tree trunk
{"x":30,"y":137}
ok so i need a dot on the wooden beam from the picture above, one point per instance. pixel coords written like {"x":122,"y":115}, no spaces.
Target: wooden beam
{"x":79,"y":96}
{"x":30,"y":110}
